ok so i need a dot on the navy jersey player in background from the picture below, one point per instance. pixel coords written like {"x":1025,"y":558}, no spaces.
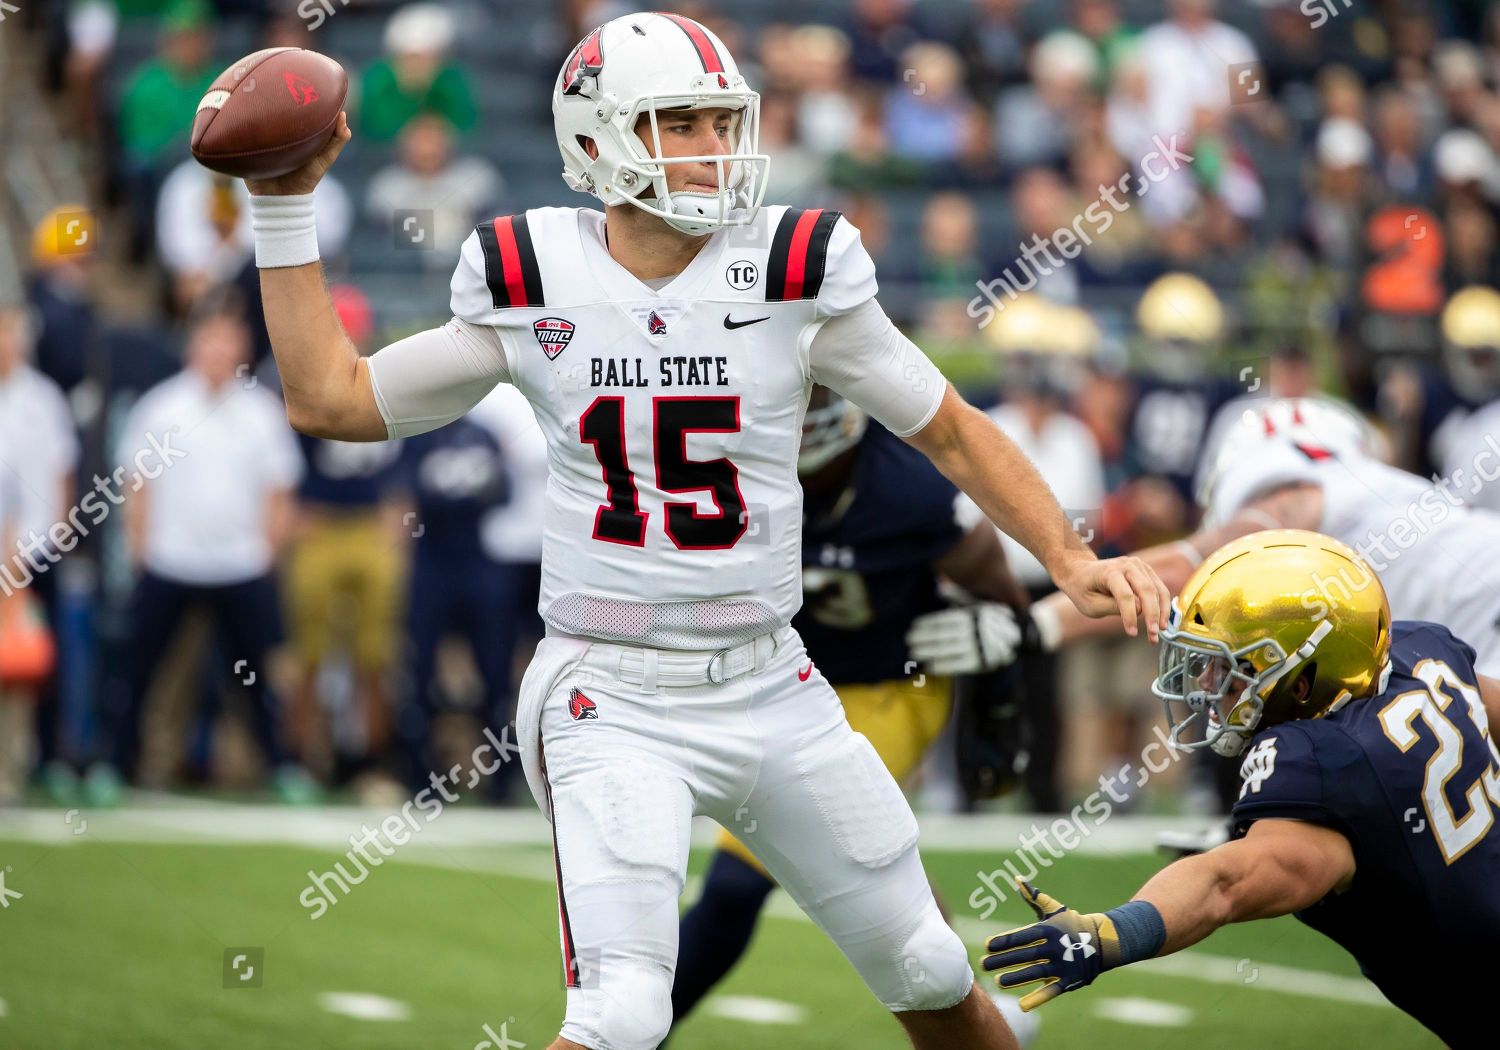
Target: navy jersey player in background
{"x":455,"y":476}
{"x":1371,"y":783}
{"x":879,"y":531}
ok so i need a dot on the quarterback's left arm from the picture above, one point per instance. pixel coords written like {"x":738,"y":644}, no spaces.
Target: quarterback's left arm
{"x":974,"y":453}
{"x":1279,"y":867}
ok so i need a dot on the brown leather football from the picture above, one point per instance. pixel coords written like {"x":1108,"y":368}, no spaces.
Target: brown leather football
{"x":269,"y":113}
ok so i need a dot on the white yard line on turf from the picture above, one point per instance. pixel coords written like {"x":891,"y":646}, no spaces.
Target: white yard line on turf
{"x":165,"y":818}
{"x":754,"y":1009}
{"x":1152,"y":1013}
{"x":362,"y":1006}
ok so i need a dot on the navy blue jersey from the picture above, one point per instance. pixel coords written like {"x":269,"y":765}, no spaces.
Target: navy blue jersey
{"x":1168,"y":426}
{"x":350,"y":475}
{"x":1411,"y":779}
{"x":456,"y":475}
{"x":867,"y":554}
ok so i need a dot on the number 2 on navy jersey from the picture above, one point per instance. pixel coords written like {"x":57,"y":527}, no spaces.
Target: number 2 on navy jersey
{"x":620,"y":518}
{"x":1455,"y":835}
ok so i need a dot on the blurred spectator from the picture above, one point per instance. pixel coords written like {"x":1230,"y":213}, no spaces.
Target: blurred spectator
{"x":1188,"y":60}
{"x":203,"y":234}
{"x":798,"y":172}
{"x":1040,"y":201}
{"x":1339,"y":196}
{"x":880,"y":31}
{"x":993,"y":44}
{"x":344,"y":577}
{"x":59,"y":293}
{"x":38,"y":432}
{"x":416,"y":76}
{"x":216,"y":464}
{"x":27,"y":656}
{"x":948,"y":263}
{"x":1400,"y":158}
{"x":429,"y":198}
{"x":1459,"y":69}
{"x":156,"y":111}
{"x":1101,"y":23}
{"x":926,"y":119}
{"x":1035,"y":123}
{"x":827,"y":112}
{"x":1466,"y":166}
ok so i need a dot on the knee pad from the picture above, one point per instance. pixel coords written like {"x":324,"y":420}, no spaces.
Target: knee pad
{"x":630,"y":1009}
{"x":931,"y":970}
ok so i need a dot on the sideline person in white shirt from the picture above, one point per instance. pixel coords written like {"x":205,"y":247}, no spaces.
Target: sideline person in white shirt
{"x":204,"y":523}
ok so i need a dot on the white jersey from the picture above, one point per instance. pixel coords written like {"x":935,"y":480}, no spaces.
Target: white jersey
{"x":673,"y":415}
{"x":1435,"y":557}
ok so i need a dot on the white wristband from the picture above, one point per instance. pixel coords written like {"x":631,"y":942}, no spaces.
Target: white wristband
{"x":286,"y":231}
{"x":1048,"y":627}
{"x":1193,"y":555}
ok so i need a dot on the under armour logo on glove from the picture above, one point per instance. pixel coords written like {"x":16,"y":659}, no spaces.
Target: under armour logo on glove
{"x":1062,"y":951}
{"x":1077,"y":944}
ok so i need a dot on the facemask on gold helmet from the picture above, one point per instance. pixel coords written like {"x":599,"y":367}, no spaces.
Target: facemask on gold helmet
{"x":1273,"y":626}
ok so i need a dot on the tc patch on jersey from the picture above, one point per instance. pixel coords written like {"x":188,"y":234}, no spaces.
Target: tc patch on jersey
{"x":554,"y":334}
{"x":580,"y":706}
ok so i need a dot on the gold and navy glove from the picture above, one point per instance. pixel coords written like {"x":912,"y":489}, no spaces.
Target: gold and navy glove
{"x":1066,"y":949}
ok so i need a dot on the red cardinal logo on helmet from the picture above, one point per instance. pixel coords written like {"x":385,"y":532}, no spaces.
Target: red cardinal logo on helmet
{"x":587,"y":60}
{"x":580,"y":706}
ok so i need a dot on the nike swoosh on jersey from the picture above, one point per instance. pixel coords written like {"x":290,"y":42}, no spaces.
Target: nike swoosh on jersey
{"x":732,"y":324}
{"x":805,"y":673}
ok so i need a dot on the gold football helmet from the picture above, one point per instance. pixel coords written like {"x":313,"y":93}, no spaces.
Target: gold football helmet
{"x":1273,"y":626}
{"x":1471,"y":342}
{"x":1178,"y":307}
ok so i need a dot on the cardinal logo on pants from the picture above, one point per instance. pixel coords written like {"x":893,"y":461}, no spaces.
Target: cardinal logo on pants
{"x":580,"y":706}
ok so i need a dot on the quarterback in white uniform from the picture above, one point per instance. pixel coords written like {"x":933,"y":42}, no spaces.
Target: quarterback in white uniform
{"x":1306,"y":463}
{"x":668,"y":346}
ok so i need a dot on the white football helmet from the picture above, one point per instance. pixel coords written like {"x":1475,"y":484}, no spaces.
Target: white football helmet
{"x":636,"y":65}
{"x":1319,"y":427}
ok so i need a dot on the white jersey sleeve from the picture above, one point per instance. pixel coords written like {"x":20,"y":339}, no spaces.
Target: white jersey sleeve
{"x":428,"y":380}
{"x":849,"y":275}
{"x":863,"y":355}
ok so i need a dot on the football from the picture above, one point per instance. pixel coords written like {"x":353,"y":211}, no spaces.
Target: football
{"x":269,"y":113}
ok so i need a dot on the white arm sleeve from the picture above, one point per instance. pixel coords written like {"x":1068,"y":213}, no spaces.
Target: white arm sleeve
{"x":863,"y":355}
{"x":428,"y":380}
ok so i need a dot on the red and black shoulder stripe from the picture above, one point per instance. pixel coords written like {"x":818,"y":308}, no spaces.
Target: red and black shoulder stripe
{"x":510,"y":266}
{"x":799,"y":254}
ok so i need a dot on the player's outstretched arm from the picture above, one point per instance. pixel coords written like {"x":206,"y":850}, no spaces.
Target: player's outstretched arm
{"x":1280,"y":867}
{"x":324,"y":380}
{"x":1489,"y":692}
{"x":974,"y":453}
{"x":1298,"y":506}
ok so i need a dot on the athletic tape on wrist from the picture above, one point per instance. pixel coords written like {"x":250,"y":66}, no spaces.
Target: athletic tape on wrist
{"x":286,"y":231}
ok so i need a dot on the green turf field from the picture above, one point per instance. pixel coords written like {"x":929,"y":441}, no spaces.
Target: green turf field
{"x":122,"y":944}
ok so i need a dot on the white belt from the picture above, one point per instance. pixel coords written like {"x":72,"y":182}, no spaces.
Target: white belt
{"x":649,"y":668}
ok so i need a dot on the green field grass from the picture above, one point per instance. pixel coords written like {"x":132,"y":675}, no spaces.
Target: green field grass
{"x":123,"y":944}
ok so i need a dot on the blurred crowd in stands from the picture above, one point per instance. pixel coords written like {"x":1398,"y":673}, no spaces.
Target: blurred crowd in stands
{"x":1109,"y":220}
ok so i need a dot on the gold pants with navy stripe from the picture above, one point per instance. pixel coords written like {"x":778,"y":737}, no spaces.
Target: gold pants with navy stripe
{"x":899,"y":717}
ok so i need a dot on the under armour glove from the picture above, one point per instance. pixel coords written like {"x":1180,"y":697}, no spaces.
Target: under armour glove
{"x":967,"y":639}
{"x":1066,"y":950}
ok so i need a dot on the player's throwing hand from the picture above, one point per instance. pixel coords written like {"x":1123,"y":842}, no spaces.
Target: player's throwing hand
{"x":1127,"y":586}
{"x":306,"y":178}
